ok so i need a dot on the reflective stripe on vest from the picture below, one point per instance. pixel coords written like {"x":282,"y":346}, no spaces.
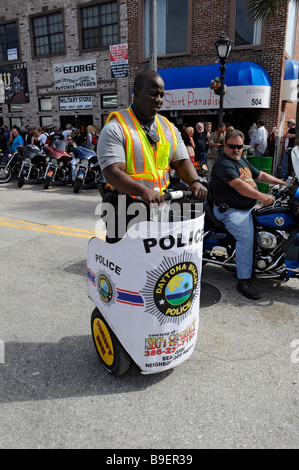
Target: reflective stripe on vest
{"x":144,"y":164}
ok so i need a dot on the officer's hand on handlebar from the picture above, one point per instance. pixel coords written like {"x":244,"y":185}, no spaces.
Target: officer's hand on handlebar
{"x":151,"y":197}
{"x":198,"y":190}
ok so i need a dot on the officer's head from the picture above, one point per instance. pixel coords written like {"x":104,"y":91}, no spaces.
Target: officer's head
{"x":148,"y":94}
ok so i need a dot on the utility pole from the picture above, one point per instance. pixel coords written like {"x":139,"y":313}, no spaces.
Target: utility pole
{"x":153,"y":35}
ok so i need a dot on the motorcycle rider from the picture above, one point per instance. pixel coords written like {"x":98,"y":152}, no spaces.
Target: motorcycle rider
{"x":69,"y":149}
{"x":137,"y":146}
{"x":235,"y":194}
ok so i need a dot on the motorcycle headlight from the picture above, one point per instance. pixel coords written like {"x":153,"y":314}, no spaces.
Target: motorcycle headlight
{"x":47,"y":159}
{"x":92,"y":165}
{"x":77,"y":159}
{"x":84,"y":161}
{"x":54,"y":161}
{"x":27,"y":160}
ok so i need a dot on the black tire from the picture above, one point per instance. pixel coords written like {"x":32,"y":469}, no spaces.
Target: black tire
{"x":6,"y":173}
{"x":47,"y":183}
{"x":112,"y":355}
{"x":21,"y":180}
{"x":77,"y":186}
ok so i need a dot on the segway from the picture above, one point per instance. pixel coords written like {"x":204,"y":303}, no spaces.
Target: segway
{"x":146,"y":289}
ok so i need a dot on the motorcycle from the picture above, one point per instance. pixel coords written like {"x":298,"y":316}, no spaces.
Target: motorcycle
{"x":33,"y":164}
{"x":11,"y":165}
{"x":58,"y":166}
{"x":88,"y":170}
{"x":276,"y":239}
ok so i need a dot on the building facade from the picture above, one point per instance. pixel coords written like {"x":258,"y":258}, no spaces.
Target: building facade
{"x":55,"y":62}
{"x":257,"y":87}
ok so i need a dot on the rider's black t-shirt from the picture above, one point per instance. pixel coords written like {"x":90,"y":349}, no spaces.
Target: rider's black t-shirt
{"x":225,"y":170}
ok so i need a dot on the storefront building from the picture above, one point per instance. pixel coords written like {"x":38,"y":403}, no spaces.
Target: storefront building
{"x":55,"y":62}
{"x":263,"y":58}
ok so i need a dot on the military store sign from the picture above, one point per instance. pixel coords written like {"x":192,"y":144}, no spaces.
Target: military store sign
{"x":75,"y":102}
{"x":14,"y":83}
{"x":75,"y":75}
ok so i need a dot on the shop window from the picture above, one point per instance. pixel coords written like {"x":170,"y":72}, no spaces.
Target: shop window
{"x":15,"y":108}
{"x":247,"y":31}
{"x":16,"y":121}
{"x":99,"y":25}
{"x":46,"y":121}
{"x":109,"y":100}
{"x":48,"y":34}
{"x":8,"y":41}
{"x":103,"y":119}
{"x":45,"y":104}
{"x":172,"y":27}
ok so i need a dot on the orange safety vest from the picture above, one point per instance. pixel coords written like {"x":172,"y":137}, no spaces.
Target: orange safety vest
{"x":144,"y":163}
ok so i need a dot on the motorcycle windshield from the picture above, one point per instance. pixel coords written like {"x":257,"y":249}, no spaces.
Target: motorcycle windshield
{"x":59,"y":144}
{"x":295,"y":160}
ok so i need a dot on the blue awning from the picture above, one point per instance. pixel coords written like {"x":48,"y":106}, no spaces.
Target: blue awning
{"x":291,"y":69}
{"x":237,"y":74}
{"x":290,"y":83}
{"x":247,"y":85}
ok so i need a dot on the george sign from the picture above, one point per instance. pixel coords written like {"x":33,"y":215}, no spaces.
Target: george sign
{"x":75,"y":75}
{"x":75,"y":102}
{"x":151,"y":305}
{"x":14,"y":84}
{"x":119,"y":60}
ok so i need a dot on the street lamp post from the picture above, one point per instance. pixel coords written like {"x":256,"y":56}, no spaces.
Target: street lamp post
{"x":223,"y":47}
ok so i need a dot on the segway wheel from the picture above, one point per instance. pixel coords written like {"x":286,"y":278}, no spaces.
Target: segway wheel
{"x":112,"y":355}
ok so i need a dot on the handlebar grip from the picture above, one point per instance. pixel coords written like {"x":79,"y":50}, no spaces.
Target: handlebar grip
{"x":176,"y":195}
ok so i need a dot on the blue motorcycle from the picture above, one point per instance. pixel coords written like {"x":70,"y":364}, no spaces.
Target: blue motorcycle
{"x":276,"y":242}
{"x":87,"y":168}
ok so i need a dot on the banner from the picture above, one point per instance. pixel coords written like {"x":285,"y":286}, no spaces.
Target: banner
{"x":119,"y":60}
{"x":75,"y":75}
{"x":148,"y":290}
{"x":14,"y":84}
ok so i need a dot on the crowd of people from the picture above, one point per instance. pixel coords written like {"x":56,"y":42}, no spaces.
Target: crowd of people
{"x":11,"y":139}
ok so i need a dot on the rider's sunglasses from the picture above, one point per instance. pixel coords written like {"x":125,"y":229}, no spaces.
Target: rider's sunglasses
{"x":233,"y":146}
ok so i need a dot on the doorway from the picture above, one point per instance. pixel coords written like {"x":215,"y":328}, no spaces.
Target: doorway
{"x":78,"y":121}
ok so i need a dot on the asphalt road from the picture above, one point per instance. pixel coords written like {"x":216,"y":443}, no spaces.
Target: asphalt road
{"x":238,"y":390}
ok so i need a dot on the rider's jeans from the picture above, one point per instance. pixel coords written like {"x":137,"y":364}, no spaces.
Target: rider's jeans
{"x":239,"y":223}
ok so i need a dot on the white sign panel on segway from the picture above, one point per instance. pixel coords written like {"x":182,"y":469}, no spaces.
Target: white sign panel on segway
{"x":148,"y":289}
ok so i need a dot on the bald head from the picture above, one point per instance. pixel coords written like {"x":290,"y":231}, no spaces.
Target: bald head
{"x":148,"y":94}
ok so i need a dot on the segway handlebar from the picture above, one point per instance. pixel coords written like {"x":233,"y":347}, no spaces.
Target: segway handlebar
{"x":171,"y":195}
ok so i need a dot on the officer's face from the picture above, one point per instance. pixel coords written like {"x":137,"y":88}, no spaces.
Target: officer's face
{"x":234,"y":148}
{"x":149,"y":99}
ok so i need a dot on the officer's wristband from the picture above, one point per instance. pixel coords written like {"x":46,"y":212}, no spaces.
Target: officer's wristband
{"x":195,"y":181}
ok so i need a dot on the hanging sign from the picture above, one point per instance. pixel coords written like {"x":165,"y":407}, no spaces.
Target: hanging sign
{"x":119,"y":60}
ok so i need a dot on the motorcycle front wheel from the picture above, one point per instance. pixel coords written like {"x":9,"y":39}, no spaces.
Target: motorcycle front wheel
{"x":21,"y":180}
{"x":112,"y":355}
{"x":6,"y":173}
{"x":47,"y":183}
{"x":77,"y":186}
